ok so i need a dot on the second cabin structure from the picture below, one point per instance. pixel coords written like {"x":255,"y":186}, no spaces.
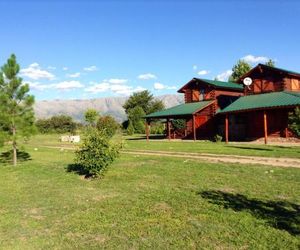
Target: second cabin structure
{"x":233,"y":110}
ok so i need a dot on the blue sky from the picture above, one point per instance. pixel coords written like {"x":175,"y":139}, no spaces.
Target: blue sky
{"x":89,"y":49}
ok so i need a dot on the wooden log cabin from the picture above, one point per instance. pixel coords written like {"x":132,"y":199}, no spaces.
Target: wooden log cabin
{"x":233,"y":110}
{"x":263,"y":110}
{"x":203,"y":98}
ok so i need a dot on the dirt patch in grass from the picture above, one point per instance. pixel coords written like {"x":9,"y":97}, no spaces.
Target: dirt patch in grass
{"x":218,"y":158}
{"x":162,"y":207}
{"x":99,"y":238}
{"x":104,"y":197}
{"x":34,"y":213}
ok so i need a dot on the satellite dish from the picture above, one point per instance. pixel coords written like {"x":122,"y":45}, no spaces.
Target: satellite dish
{"x":247,"y":81}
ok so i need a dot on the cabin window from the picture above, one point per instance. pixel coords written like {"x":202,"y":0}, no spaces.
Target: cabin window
{"x":295,"y":84}
{"x":195,"y":96}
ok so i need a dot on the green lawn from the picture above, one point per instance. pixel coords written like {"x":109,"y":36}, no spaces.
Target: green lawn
{"x":146,"y":202}
{"x":213,"y":148}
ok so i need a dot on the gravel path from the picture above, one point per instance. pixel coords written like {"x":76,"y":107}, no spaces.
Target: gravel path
{"x":268,"y":161}
{"x":217,"y":158}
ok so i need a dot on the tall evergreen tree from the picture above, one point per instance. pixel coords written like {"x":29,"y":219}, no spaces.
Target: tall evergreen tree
{"x":16,"y":105}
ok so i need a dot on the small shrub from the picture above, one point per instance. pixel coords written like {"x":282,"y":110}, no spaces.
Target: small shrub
{"x":56,"y":124}
{"x":135,"y":117}
{"x":178,"y":123}
{"x":218,"y":138}
{"x":107,"y":124}
{"x":157,"y":128}
{"x":294,"y":121}
{"x":96,"y":153}
{"x":130,"y":129}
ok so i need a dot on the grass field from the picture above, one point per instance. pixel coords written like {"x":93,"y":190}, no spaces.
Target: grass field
{"x":214,"y":148}
{"x":146,"y":202}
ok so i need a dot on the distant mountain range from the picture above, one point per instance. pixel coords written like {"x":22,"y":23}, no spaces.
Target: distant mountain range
{"x":106,"y":106}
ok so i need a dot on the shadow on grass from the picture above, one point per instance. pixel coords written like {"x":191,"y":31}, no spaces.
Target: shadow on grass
{"x":251,"y":148}
{"x":7,"y":157}
{"x":151,"y":137}
{"x":281,"y":215}
{"x":78,"y":169}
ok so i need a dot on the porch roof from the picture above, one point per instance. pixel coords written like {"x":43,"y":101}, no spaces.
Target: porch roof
{"x":262,"y":101}
{"x":181,"y":110}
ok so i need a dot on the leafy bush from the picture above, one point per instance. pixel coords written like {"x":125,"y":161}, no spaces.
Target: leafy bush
{"x":90,"y":116}
{"x":157,"y":128}
{"x":56,"y":124}
{"x":130,"y":129}
{"x":178,"y":123}
{"x":96,"y":153}
{"x":135,"y":117}
{"x":294,"y":121}
{"x":108,"y":125}
{"x":218,"y":138}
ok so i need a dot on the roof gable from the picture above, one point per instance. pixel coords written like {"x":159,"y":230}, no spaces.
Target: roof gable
{"x":269,"y":68}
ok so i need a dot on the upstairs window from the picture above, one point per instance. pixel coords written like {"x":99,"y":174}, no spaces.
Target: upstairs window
{"x":295,"y":84}
{"x":195,"y":95}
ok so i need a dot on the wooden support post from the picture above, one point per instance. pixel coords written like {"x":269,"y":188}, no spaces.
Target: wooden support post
{"x":226,"y":128}
{"x":265,"y":127}
{"x":286,"y":132}
{"x":168,"y":129}
{"x":194,"y":128}
{"x":147,"y":130}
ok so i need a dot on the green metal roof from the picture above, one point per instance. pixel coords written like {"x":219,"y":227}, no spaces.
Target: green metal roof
{"x":180,"y":110}
{"x":220,"y":84}
{"x":260,"y":101}
{"x":216,"y":84}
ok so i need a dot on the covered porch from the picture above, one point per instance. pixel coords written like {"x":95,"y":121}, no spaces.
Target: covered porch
{"x":258,"y":116}
{"x":196,"y":116}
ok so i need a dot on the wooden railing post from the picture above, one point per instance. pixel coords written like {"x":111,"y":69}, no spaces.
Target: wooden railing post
{"x":168,"y":129}
{"x":147,"y":130}
{"x":194,"y":128}
{"x":226,"y":128}
{"x":265,"y":127}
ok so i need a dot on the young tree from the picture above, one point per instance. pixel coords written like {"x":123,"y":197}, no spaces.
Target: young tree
{"x":241,"y":68}
{"x":91,"y":116}
{"x":96,"y":153}
{"x":16,"y":104}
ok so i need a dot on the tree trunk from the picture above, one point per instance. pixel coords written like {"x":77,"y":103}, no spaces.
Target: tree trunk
{"x":14,"y":147}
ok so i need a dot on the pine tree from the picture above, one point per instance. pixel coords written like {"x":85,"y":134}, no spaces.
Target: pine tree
{"x":16,"y":105}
